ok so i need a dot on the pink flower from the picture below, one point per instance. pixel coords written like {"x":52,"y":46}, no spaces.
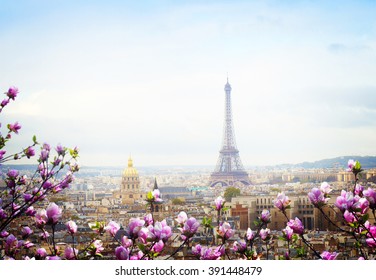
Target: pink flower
{"x":209,"y":253}
{"x":358,"y":189}
{"x":239,"y":246}
{"x":288,"y":232}
{"x":71,"y":227}
{"x":41,"y":218}
{"x":135,"y":225}
{"x":30,"y":211}
{"x":265,"y":216}
{"x":282,"y":201}
{"x":329,"y":256}
{"x":98,"y":245}
{"x":317,"y":197}
{"x":158,"y":246}
{"x":122,"y":253}
{"x":12,"y":174}
{"x":29,"y":152}
{"x":53,"y":213}
{"x":182,"y":218}
{"x":41,"y":253}
{"x":160,"y":231}
{"x":70,"y":253}
{"x":325,"y":188}
{"x":350,"y":165}
{"x":370,"y":195}
{"x":143,"y":235}
{"x":26,"y":232}
{"x":4,"y":102}
{"x":189,"y":228}
{"x":53,"y":258}
{"x":148,"y":219}
{"x":112,"y":228}
{"x":296,"y":225}
{"x":14,"y":127}
{"x":157,"y":195}
{"x":264,"y":233}
{"x":126,"y":242}
{"x":225,"y":231}
{"x":12,"y":92}
{"x":349,"y":217}
{"x":196,"y":250}
{"x":219,"y":203}
{"x":250,"y":234}
{"x":2,"y":153}
{"x":345,"y":201}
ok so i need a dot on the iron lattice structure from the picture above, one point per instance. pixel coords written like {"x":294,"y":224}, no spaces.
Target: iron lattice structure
{"x":229,"y":168}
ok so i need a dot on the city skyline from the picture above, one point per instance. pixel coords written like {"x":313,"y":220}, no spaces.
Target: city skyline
{"x":146,"y":79}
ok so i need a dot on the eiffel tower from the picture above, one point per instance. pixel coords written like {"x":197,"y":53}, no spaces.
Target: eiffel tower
{"x":229,"y":168}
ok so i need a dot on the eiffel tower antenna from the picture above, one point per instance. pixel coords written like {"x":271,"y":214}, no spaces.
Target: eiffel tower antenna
{"x":229,"y":168}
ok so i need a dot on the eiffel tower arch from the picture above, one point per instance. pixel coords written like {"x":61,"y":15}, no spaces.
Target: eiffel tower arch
{"x":229,"y":169}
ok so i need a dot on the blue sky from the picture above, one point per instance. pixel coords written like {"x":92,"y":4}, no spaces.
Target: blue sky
{"x":146,"y":78}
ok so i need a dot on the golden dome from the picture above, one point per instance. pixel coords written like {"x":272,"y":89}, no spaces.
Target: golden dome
{"x":130,"y":171}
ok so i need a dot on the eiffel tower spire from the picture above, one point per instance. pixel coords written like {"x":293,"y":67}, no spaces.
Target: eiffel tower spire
{"x":229,"y":168}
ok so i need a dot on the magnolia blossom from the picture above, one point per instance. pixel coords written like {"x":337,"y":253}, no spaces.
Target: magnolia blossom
{"x":250,"y":234}
{"x":14,"y":127}
{"x":358,"y":189}
{"x":53,"y":214}
{"x":371,"y":234}
{"x":328,"y":256}
{"x":158,"y":246}
{"x":349,"y":217}
{"x":196,"y":250}
{"x":122,"y":253}
{"x":345,"y":201}
{"x":26,"y":232}
{"x":288,"y":232}
{"x":126,"y":242}
{"x":148,"y":219}
{"x":239,"y":246}
{"x":296,"y":225}
{"x":134,"y":226}
{"x":265,"y":216}
{"x":350,"y":165}
{"x":264,"y":233}
{"x":316,"y":196}
{"x":219,"y":203}
{"x":325,"y":188}
{"x":282,"y":201}
{"x":225,"y":231}
{"x":370,"y":195}
{"x":208,"y":253}
{"x":160,"y":231}
{"x":29,"y":152}
{"x":157,"y":195}
{"x":71,"y":227}
{"x":182,"y":218}
{"x":70,"y":253}
{"x":189,"y":228}
{"x":143,"y":235}
{"x":41,"y":218}
{"x":112,"y":228}
{"x":98,"y":246}
{"x":53,"y":258}
{"x":12,"y":92}
{"x":41,"y":253}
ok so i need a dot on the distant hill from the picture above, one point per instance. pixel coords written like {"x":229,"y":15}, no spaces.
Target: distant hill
{"x":367,"y":162}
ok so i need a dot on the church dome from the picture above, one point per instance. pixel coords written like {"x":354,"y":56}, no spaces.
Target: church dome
{"x":130,"y":171}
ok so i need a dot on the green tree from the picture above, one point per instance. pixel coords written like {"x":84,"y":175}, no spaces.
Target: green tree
{"x":231,"y":192}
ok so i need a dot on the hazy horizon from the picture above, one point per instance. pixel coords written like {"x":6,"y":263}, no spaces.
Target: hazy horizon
{"x":146,"y":79}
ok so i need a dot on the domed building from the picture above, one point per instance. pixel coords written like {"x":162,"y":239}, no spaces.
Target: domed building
{"x":130,"y":185}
